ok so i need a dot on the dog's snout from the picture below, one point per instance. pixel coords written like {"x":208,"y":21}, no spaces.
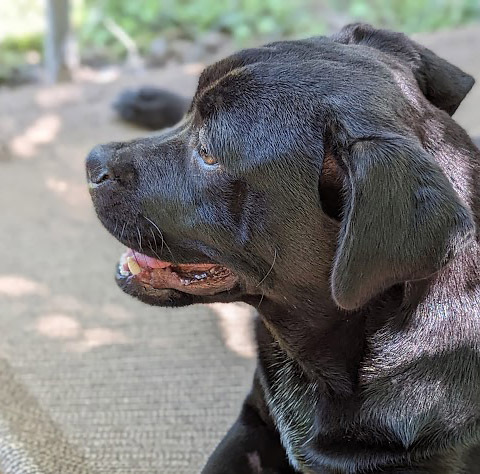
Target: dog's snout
{"x":104,"y":164}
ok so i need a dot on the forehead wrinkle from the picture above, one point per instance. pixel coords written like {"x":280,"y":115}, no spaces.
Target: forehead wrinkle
{"x":207,"y":89}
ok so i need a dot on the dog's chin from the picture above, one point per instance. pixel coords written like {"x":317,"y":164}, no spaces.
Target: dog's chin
{"x":160,"y":283}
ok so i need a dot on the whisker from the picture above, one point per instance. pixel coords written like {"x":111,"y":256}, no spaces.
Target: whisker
{"x":269,"y":271}
{"x":154,"y":238}
{"x":139,"y":238}
{"x":156,"y":254}
{"x":135,"y":257}
{"x":161,"y":236}
{"x":156,"y":246}
{"x":123,"y":229}
{"x":261,"y":299}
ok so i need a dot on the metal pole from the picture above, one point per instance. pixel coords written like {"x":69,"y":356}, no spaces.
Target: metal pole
{"x":56,"y":40}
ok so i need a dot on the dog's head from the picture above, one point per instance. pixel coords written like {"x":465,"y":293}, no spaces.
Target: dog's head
{"x":303,"y":169}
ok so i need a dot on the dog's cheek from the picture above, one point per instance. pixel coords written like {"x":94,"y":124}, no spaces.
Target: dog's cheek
{"x":246,"y":209}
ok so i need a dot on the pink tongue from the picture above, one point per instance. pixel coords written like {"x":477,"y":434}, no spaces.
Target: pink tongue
{"x":145,"y":261}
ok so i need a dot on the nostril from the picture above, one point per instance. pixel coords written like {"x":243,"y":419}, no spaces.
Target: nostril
{"x":100,"y":177}
{"x":97,"y":175}
{"x":105,"y":163}
{"x":97,"y":165}
{"x":103,"y":177}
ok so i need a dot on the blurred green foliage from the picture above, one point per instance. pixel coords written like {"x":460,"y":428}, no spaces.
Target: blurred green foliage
{"x":242,"y":19}
{"x":413,"y":15}
{"x":15,"y":52}
{"x":245,"y":21}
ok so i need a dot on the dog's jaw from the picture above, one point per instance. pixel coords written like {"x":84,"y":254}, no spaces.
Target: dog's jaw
{"x":163,"y":283}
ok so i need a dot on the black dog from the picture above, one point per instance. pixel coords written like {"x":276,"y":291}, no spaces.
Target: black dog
{"x":324,"y":182}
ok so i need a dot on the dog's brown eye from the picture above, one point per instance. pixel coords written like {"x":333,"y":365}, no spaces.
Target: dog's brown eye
{"x":206,"y":157}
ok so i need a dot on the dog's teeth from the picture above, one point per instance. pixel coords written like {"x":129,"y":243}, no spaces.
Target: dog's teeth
{"x":133,"y":266}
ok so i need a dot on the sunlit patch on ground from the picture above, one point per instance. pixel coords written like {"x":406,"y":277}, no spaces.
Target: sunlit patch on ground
{"x":65,"y":327}
{"x":56,"y":185}
{"x":237,"y":329}
{"x":43,"y":131}
{"x":17,"y":286}
{"x":98,"y":337}
{"x":58,"y":326}
{"x":58,"y":96}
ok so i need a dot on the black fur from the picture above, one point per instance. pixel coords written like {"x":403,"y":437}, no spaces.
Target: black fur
{"x":347,"y":201}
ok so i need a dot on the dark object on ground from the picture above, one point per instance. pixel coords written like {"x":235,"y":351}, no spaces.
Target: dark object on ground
{"x":151,"y":107}
{"x":324,"y":182}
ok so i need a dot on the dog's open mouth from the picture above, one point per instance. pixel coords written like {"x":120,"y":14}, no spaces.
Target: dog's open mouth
{"x":192,"y":278}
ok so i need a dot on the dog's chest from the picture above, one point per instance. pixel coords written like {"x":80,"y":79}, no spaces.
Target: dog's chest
{"x":291,"y":400}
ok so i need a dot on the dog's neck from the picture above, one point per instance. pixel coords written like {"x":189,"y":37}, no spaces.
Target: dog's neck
{"x":459,"y":158}
{"x":330,"y":344}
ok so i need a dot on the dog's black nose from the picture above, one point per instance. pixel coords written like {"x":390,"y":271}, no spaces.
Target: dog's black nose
{"x":97,"y":160}
{"x":104,"y":163}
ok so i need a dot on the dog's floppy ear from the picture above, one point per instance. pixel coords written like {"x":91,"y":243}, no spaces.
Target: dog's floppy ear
{"x":402,"y":219}
{"x":442,"y":83}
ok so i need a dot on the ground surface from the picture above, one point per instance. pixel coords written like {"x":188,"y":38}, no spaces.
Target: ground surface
{"x":92,"y":381}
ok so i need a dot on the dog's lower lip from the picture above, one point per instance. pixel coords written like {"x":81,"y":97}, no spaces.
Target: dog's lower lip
{"x":205,"y":279}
